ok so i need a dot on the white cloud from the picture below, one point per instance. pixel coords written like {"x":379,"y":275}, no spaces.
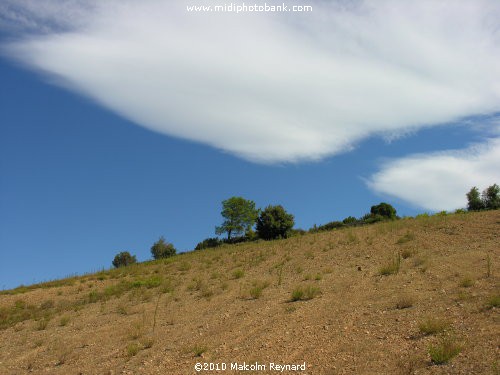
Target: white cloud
{"x":270,"y":87}
{"x":440,"y":180}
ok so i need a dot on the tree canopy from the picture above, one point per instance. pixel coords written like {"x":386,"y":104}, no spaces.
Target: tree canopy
{"x":274,"y":222}
{"x":240,"y":215}
{"x":124,"y":259}
{"x":385,"y":210}
{"x":162,"y":249}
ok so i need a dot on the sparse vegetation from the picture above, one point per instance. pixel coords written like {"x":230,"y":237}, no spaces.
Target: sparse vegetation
{"x":466,"y":282}
{"x":198,"y":350}
{"x":257,"y":288}
{"x":444,"y":350}
{"x":304,"y":293}
{"x":406,"y":238}
{"x":129,"y":302}
{"x":391,"y":267}
{"x":238,"y":273}
{"x":132,"y":349}
{"x":432,"y":325}
{"x":404,"y":302}
{"x":493,"y":301}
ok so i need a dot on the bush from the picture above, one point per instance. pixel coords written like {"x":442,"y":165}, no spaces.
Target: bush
{"x":350,"y":220}
{"x":208,"y":243}
{"x":385,"y":210}
{"x":124,"y":259}
{"x":162,"y":249}
{"x":274,"y":222}
{"x":330,"y":226}
{"x":371,"y":218}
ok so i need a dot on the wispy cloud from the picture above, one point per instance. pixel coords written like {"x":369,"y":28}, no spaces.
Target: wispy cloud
{"x":270,"y":87}
{"x":440,"y":180}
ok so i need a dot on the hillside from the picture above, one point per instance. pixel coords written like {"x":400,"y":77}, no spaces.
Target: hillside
{"x":234,"y":304}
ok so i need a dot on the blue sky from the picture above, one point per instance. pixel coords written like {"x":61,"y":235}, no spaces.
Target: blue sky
{"x":103,"y":151}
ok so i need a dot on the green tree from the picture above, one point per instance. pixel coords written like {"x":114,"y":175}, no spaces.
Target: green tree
{"x":274,"y":222}
{"x":385,"y":210}
{"x":124,"y":259}
{"x":474,"y":202}
{"x":491,"y":197}
{"x":162,"y":249}
{"x":239,"y":214}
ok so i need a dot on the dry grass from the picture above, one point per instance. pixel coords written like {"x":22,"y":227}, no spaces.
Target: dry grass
{"x":433,"y":325}
{"x":158,"y":315}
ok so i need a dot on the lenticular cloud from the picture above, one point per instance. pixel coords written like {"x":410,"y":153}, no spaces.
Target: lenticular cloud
{"x":269,"y":87}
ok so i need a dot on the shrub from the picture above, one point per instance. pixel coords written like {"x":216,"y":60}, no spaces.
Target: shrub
{"x":274,"y":222}
{"x":208,"y":243}
{"x":350,"y":220}
{"x":446,"y":349}
{"x":329,"y":226}
{"x":124,"y":259}
{"x":371,"y":218}
{"x":162,"y":249}
{"x":385,"y":210}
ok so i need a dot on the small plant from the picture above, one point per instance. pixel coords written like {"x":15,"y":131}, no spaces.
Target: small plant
{"x":147,"y":342}
{"x":257,"y":288}
{"x":404,"y":302}
{"x":318,"y":277}
{"x":42,"y":323}
{"x":406,"y":238}
{"x":406,"y":253}
{"x":466,"y":282}
{"x":64,"y":321}
{"x":137,"y":330}
{"x":431,"y":326}
{"x":392,"y":267}
{"x":488,"y":265}
{"x":305,"y":293}
{"x":352,"y":238}
{"x":493,"y":302}
{"x":238,"y":274}
{"x":184,"y":266}
{"x":444,"y":350}
{"x":198,"y":350}
{"x":132,"y":349}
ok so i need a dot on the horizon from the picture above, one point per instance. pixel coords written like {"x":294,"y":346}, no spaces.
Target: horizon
{"x":123,"y":122}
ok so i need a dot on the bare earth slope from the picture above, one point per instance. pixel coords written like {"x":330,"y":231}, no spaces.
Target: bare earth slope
{"x":234,"y":304}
